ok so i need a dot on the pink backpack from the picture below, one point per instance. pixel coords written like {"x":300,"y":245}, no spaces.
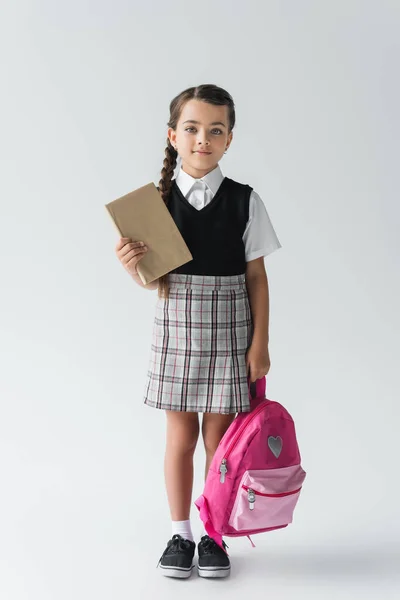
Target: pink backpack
{"x":255,"y":477}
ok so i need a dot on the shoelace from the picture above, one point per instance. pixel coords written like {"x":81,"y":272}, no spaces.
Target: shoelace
{"x":175,"y":544}
{"x":209,"y":545}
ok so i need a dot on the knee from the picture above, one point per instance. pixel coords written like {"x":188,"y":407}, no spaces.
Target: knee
{"x":213,"y":430}
{"x":189,"y":443}
{"x":183,"y":440}
{"x":211,"y":442}
{"x":182,"y":444}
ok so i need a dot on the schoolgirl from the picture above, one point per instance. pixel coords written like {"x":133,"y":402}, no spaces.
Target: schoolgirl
{"x":210,"y":335}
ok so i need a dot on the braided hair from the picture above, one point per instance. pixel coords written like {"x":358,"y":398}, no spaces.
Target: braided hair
{"x":207,"y":93}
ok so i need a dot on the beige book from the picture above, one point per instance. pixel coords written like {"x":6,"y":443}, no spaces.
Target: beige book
{"x":142,"y":216}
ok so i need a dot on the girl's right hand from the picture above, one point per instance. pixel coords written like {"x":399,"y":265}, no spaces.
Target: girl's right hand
{"x":130,"y":253}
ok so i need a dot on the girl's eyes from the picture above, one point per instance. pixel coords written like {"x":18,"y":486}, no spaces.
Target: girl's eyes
{"x":187,"y":129}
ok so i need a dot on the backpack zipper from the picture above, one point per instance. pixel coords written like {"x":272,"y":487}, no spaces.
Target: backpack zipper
{"x":251,"y":495}
{"x":223,"y":469}
{"x":251,"y":498}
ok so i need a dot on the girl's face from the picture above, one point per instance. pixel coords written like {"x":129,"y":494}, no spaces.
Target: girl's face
{"x":201,"y":127}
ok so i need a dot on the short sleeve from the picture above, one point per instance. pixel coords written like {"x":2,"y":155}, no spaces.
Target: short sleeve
{"x":259,"y":237}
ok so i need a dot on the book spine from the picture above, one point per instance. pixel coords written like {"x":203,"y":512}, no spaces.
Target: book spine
{"x":113,"y":220}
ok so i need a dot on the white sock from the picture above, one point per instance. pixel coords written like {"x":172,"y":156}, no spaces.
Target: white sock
{"x":183,"y":528}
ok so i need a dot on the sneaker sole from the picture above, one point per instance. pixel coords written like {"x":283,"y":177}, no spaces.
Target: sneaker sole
{"x":179,"y":572}
{"x":213,"y":572}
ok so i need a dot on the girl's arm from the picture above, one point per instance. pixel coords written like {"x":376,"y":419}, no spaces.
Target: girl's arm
{"x":258,"y":291}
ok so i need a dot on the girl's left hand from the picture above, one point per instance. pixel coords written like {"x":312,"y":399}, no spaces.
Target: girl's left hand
{"x":257,"y":361}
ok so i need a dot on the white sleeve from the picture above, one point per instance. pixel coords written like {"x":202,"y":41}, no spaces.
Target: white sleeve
{"x":259,"y":237}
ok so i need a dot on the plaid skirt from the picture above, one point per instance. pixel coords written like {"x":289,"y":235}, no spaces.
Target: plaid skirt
{"x":201,"y":335}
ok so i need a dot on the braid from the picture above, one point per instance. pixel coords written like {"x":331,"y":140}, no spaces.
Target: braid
{"x":165,"y":185}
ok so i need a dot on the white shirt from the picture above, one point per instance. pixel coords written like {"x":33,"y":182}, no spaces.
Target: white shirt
{"x":259,"y":237}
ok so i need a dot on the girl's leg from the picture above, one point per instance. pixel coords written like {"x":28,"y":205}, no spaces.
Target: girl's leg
{"x":213,"y":428}
{"x":182,"y":436}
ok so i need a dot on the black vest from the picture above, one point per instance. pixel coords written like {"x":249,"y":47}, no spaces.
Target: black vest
{"x":214,"y":233}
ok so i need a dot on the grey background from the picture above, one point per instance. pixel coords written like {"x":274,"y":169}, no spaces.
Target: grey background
{"x":84,"y":104}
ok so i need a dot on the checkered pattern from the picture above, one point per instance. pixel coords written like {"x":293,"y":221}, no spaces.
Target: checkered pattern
{"x":200,"y":338}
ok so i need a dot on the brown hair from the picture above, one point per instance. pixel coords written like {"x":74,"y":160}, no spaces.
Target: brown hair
{"x":207,"y":93}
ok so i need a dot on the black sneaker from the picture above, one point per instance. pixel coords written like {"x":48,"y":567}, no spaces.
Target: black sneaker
{"x":177,"y":558}
{"x":213,"y":560}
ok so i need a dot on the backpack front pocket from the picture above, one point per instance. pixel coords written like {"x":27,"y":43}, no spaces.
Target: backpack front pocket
{"x":267,"y":498}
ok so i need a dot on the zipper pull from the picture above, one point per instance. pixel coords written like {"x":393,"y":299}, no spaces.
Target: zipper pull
{"x":251,"y":498}
{"x":223,"y":470}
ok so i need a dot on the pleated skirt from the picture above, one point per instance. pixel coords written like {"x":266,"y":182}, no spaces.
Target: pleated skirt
{"x":200,"y":338}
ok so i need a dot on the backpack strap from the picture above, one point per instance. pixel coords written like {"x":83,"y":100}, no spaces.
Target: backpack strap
{"x":256,"y":392}
{"x":202,"y":505}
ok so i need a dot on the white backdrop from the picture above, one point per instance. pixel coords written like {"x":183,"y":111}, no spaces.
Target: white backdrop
{"x":84,"y":108}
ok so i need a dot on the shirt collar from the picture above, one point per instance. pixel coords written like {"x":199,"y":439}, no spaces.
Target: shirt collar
{"x":213,"y":180}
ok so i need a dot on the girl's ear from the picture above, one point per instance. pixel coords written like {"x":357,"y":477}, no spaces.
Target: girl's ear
{"x":229,"y":140}
{"x":172,"y":136}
